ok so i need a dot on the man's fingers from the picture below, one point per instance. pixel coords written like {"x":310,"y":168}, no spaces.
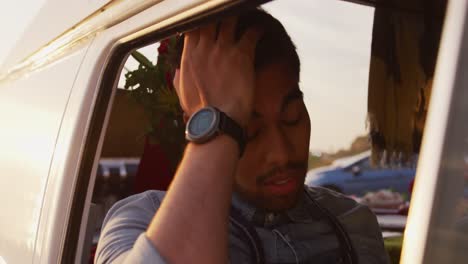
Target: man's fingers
{"x":249,"y":40}
{"x":207,"y":34}
{"x":227,"y":29}
{"x":191,"y":41}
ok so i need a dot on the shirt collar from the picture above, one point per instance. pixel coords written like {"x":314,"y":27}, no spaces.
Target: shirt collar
{"x":246,"y":209}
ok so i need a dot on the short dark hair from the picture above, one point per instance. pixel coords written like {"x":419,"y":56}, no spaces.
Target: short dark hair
{"x":275,"y":45}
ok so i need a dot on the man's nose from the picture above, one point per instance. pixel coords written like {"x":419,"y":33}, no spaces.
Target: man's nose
{"x":278,"y":147}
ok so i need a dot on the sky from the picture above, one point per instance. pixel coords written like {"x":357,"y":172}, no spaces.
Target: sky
{"x":333,"y":41}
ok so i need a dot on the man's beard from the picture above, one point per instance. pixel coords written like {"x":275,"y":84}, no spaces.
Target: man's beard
{"x":275,"y":203}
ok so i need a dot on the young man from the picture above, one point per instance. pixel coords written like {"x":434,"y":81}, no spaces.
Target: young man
{"x":241,"y":199}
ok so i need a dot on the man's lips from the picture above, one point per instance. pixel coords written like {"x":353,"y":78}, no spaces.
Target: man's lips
{"x":279,"y":178}
{"x":282,"y":183}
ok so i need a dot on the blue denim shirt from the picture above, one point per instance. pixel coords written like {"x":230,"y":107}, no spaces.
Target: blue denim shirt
{"x":299,"y":235}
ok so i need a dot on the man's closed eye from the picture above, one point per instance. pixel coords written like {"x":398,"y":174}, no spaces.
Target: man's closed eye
{"x":293,"y":113}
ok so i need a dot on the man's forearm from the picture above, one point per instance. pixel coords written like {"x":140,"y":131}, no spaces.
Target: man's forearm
{"x":191,"y":226}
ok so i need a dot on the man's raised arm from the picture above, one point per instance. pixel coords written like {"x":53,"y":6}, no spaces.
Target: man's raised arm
{"x":191,"y":226}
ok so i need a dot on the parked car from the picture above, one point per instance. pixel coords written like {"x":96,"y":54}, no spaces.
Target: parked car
{"x":356,"y":176}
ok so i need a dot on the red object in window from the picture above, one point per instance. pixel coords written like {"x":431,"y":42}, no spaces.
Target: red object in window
{"x":92,"y":254}
{"x":163,"y":46}
{"x":410,"y":188}
{"x":169,"y":79}
{"x":154,"y":171}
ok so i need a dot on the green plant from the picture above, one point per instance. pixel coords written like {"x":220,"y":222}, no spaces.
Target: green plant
{"x":151,"y":86}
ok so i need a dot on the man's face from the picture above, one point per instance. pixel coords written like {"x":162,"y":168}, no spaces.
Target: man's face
{"x":272,"y":170}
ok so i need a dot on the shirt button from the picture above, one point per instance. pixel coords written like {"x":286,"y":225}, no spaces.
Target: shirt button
{"x":270,"y":218}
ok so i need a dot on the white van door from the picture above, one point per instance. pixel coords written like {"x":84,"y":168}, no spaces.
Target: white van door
{"x":437,"y":230}
{"x":32,"y":108}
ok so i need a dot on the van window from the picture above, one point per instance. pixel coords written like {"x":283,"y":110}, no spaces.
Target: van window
{"x":343,"y":61}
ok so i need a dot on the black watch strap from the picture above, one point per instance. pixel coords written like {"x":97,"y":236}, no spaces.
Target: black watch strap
{"x":230,"y":127}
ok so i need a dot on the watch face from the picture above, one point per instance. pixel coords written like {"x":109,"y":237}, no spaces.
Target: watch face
{"x":202,"y":122}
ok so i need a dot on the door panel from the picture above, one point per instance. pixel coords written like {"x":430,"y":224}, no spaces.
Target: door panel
{"x":31,"y":111}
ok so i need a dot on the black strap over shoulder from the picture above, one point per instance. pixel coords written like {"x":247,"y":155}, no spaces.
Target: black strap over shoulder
{"x":347,"y":249}
{"x":251,"y":236}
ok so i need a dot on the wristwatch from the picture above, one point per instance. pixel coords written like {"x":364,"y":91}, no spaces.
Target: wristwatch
{"x":209,"y":122}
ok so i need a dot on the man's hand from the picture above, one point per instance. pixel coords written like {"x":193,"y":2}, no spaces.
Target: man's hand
{"x":218,"y":71}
